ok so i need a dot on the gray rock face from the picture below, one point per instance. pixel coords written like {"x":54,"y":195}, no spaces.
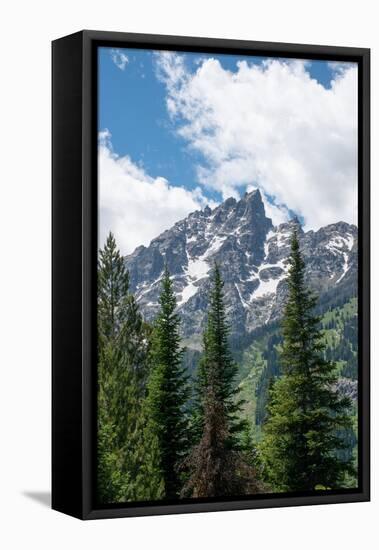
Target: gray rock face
{"x":347,"y":388}
{"x":253,"y":256}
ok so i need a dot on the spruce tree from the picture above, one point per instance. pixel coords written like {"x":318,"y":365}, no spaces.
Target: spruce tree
{"x":306,"y":414}
{"x":125,"y":446}
{"x":168,"y":390}
{"x":217,"y":464}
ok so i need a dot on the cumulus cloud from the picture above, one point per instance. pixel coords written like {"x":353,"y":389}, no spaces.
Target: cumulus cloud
{"x":119,"y":59}
{"x":133,"y":205}
{"x":270,"y":126}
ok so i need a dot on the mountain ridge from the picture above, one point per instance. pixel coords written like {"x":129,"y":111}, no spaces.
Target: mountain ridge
{"x":253,"y":256}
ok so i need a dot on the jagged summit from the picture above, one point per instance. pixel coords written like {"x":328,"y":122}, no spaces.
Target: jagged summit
{"x":253,"y":256}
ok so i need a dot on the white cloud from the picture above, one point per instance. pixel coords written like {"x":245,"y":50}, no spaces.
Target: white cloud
{"x":270,"y":126}
{"x":133,"y":205}
{"x":119,"y":59}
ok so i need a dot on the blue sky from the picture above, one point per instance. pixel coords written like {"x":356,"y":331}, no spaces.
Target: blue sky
{"x":132,"y":105}
{"x":181,"y":130}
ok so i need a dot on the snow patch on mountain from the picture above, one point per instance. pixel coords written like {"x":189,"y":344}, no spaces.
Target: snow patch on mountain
{"x":265,"y":287}
{"x":145,"y":288}
{"x":243,"y":301}
{"x":274,"y":272}
{"x":337,"y":243}
{"x":270,"y":284}
{"x":197,"y":268}
{"x":215,"y":245}
{"x":341,"y":245}
{"x":345,"y":267}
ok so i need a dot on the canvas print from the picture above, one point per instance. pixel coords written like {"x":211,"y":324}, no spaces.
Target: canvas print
{"x":227,"y":327}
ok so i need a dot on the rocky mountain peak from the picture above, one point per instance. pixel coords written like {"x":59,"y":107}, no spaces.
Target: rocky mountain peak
{"x":253,"y":255}
{"x":253,"y":203}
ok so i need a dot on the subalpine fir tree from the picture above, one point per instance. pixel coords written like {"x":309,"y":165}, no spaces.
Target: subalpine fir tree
{"x":168,"y":390}
{"x":112,"y":289}
{"x":217,"y":463}
{"x":216,"y":356}
{"x":306,"y":414}
{"x":124,"y":444}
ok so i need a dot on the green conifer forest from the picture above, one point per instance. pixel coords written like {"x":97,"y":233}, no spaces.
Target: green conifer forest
{"x":272,"y":419}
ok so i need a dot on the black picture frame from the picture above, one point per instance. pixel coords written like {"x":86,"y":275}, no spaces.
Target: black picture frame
{"x":74,"y":258}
